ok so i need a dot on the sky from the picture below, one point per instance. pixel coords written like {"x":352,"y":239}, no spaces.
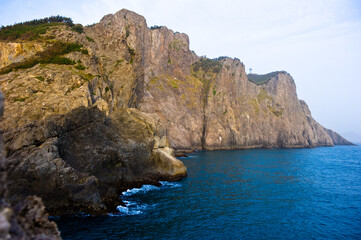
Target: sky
{"x":317,"y":41}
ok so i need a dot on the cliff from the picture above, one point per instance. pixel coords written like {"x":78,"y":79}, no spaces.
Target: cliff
{"x":94,"y":111}
{"x":28,"y":219}
{"x":337,"y":138}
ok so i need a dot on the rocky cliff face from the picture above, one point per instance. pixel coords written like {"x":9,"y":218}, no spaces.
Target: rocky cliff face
{"x":110,"y":120}
{"x":266,"y":115}
{"x":211,"y":104}
{"x":337,"y":138}
{"x":87,"y":158}
{"x":28,"y":220}
{"x":17,"y":52}
{"x":69,"y":134}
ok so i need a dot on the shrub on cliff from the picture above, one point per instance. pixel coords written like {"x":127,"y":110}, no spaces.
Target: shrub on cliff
{"x":207,"y":65}
{"x":156,"y":27}
{"x":53,"y":54}
{"x":77,"y":28}
{"x":31,"y":30}
{"x":262,"y":78}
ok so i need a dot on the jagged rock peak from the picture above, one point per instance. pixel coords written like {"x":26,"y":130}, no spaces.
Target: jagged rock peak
{"x":123,"y":14}
{"x":127,"y":16}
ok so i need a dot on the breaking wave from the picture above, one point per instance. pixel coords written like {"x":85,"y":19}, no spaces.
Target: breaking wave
{"x":132,"y":207}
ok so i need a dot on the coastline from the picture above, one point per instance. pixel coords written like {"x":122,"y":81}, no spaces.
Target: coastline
{"x":180,"y":152}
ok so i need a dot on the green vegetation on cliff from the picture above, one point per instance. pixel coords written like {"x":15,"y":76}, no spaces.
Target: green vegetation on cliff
{"x":31,"y":30}
{"x":262,"y":78}
{"x":53,"y":54}
{"x":263,"y":95}
{"x":206,"y":71}
{"x":207,"y":65}
{"x":271,"y":105}
{"x":89,"y":39}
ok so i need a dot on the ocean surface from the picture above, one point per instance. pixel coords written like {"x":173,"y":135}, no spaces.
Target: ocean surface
{"x":243,"y":194}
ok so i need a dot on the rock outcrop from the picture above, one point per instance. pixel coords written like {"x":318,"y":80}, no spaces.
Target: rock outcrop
{"x":87,"y":158}
{"x":17,"y":52}
{"x":337,"y":138}
{"x":27,"y":220}
{"x":111,"y":120}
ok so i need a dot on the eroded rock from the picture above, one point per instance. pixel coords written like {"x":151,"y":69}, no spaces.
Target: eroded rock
{"x":28,"y":219}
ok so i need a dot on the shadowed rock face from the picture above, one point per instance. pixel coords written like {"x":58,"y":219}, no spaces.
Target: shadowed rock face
{"x":28,"y":219}
{"x":87,"y":133}
{"x":87,"y":158}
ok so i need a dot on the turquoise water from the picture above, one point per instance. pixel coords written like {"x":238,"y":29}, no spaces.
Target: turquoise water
{"x":245,"y":194}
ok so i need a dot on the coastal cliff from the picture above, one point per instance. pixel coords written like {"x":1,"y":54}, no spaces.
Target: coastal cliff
{"x":92,"y":111}
{"x":28,"y":219}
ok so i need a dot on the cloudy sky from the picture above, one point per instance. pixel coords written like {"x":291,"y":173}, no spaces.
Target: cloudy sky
{"x":317,"y":41}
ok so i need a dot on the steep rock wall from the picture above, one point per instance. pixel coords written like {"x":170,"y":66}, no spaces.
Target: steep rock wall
{"x":69,"y":134}
{"x":28,"y":220}
{"x":160,"y":61}
{"x":211,"y":110}
{"x":266,"y":115}
{"x":337,"y":138}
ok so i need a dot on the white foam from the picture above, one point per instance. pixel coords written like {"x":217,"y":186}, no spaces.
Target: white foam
{"x":170,"y":184}
{"x":143,"y":189}
{"x":147,"y":188}
{"x":132,"y":207}
{"x":128,"y":211}
{"x":130,"y":203}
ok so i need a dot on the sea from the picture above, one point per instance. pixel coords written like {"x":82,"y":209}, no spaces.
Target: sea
{"x":241,"y":194}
